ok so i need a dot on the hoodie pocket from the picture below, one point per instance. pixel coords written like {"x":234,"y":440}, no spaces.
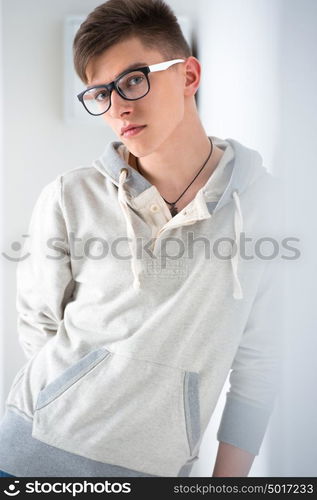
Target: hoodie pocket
{"x":123,"y":411}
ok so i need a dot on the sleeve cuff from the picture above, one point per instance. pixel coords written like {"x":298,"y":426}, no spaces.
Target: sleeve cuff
{"x":243,"y":425}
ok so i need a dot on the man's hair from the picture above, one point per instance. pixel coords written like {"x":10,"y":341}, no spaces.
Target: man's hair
{"x":152,"y":21}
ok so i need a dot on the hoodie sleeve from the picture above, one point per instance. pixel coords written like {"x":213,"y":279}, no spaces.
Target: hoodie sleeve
{"x":256,"y":369}
{"x":44,"y":276}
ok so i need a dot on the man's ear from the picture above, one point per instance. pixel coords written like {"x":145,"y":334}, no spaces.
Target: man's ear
{"x":192,"y":74}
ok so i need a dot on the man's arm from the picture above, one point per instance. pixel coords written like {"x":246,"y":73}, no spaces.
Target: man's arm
{"x":232,"y":461}
{"x":44,"y":278}
{"x":256,"y":370}
{"x":254,"y":380}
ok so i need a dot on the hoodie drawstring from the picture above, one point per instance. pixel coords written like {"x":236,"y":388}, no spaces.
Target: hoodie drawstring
{"x":238,"y":227}
{"x":135,"y":265}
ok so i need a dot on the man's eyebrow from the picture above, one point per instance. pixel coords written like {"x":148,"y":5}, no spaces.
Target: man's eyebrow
{"x":131,"y":66}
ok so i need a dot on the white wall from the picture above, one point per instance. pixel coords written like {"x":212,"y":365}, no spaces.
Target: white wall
{"x":259,"y":81}
{"x":2,"y":388}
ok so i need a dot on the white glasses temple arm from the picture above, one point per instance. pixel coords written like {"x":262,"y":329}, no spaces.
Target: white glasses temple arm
{"x":164,"y":65}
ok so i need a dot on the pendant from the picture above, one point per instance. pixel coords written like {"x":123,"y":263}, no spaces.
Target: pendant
{"x":173,"y":210}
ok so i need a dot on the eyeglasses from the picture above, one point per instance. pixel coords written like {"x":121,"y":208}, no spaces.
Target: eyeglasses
{"x":132,"y":85}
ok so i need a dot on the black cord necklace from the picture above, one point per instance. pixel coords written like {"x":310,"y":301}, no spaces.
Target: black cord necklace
{"x":173,"y":208}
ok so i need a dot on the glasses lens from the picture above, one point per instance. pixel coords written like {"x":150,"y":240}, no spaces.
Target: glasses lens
{"x":97,"y":100}
{"x":133,"y":85}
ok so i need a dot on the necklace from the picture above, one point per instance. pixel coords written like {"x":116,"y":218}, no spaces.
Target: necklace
{"x":173,"y":208}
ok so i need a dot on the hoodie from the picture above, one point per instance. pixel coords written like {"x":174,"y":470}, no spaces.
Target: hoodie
{"x":131,"y":320}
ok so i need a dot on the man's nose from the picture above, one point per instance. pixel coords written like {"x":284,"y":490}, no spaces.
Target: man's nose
{"x":119,"y":105}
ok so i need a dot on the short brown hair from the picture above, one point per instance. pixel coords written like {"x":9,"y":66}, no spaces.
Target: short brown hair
{"x":153,"y":21}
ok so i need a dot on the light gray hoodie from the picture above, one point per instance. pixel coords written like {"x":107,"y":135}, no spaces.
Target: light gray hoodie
{"x":131,"y":320}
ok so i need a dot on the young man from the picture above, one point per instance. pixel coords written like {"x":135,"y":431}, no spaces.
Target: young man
{"x":135,"y":300}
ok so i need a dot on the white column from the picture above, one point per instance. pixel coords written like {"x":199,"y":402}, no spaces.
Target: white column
{"x":238,"y":44}
{"x":296,"y":155}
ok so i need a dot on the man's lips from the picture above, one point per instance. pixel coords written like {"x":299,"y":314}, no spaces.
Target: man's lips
{"x":133,"y":130}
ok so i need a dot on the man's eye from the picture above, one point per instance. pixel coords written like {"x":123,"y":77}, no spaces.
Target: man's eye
{"x":135,"y":80}
{"x":101,"y":96}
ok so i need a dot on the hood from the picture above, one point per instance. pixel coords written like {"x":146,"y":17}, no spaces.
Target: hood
{"x":236,"y":171}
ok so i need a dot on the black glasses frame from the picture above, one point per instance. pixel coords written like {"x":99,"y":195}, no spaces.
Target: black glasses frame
{"x":114,"y":86}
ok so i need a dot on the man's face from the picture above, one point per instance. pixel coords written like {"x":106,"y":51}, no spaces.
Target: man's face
{"x":161,"y":110}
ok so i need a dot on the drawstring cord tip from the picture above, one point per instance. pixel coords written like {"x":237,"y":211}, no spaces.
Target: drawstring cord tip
{"x":136,"y":285}
{"x":238,"y":295}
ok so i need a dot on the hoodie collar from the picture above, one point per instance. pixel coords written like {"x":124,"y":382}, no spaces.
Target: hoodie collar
{"x":236,"y":170}
{"x":110,"y":164}
{"x":246,"y":168}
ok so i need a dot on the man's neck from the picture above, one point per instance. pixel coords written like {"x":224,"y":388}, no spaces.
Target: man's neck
{"x":174,"y":165}
{"x":179,"y":158}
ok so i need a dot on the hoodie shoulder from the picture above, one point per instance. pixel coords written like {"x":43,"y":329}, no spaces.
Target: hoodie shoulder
{"x":79,"y":173}
{"x":81,"y":178}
